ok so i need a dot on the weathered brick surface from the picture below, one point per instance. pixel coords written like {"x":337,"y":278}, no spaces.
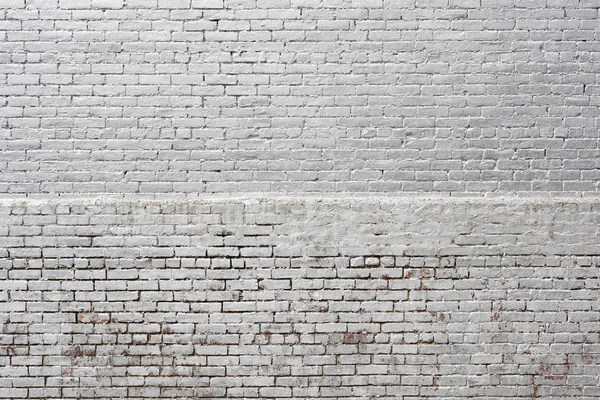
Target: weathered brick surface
{"x":299,"y":298}
{"x":137,"y":260}
{"x":214,"y":96}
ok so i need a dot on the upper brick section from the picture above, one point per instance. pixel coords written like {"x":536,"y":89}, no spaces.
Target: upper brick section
{"x":213,"y":96}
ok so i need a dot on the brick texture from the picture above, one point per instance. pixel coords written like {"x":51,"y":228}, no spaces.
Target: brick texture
{"x":266,"y":298}
{"x":277,"y":199}
{"x":215,"y":96}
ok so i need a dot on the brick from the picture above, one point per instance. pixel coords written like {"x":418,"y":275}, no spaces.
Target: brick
{"x":298,"y":199}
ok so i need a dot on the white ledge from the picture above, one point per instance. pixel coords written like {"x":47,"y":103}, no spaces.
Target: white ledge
{"x":297,"y":198}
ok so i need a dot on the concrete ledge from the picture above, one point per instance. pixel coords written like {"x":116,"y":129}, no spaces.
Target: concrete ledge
{"x":345,"y":226}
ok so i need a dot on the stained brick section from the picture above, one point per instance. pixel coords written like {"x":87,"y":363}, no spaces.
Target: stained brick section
{"x":299,"y":299}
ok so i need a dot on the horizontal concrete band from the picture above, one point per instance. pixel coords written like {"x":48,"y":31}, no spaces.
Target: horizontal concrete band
{"x":303,"y":226}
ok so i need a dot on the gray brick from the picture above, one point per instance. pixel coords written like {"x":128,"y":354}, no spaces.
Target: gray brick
{"x":298,"y":198}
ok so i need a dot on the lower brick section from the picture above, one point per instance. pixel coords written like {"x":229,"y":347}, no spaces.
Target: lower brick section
{"x":300,"y":298}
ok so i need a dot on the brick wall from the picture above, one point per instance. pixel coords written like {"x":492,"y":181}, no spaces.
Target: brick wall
{"x":346,"y":199}
{"x":213,"y":96}
{"x":399,"y":299}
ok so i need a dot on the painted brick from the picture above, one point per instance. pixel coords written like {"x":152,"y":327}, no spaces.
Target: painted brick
{"x":491,"y":280}
{"x":179,"y":98}
{"x":346,"y":199}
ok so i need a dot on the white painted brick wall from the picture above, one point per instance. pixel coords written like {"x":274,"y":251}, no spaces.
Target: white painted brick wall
{"x":392,"y":252}
{"x":300,"y":298}
{"x":282,"y":96}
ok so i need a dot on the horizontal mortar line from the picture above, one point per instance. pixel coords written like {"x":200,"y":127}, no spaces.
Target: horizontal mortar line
{"x":354,"y":198}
